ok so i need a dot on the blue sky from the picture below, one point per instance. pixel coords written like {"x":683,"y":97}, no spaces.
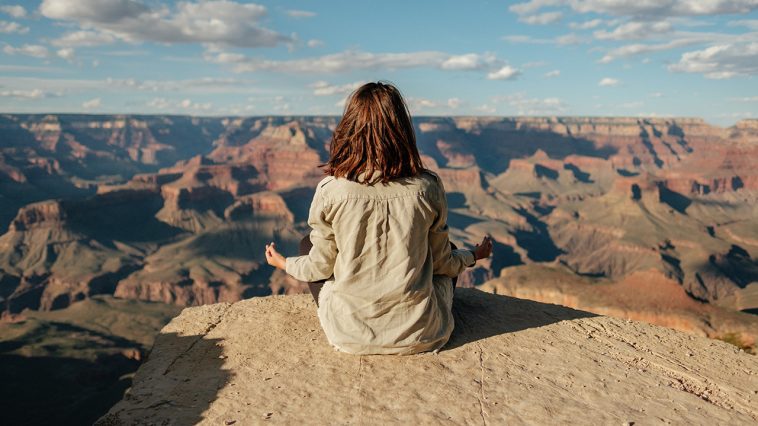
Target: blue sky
{"x":540,"y":57}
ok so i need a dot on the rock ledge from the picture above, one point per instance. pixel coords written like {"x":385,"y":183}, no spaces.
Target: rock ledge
{"x":509,"y":361}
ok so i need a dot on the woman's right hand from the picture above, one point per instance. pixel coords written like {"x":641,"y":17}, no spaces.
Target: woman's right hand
{"x":483,"y":249}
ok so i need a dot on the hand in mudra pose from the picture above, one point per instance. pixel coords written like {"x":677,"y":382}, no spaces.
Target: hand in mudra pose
{"x":273,"y":257}
{"x":482,"y":251}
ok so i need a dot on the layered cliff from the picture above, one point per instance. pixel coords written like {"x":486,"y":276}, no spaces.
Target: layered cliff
{"x":187,"y":203}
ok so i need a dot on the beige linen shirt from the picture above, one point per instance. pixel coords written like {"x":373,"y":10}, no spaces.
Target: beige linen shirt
{"x":385,"y":254}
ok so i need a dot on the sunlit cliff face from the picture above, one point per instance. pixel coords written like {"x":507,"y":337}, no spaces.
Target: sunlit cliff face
{"x":175,"y":209}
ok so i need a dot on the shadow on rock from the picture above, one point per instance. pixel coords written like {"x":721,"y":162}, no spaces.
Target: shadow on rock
{"x":177,"y":385}
{"x":479,"y":315}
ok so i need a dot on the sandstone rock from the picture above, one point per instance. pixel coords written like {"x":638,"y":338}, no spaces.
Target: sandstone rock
{"x":509,"y":361}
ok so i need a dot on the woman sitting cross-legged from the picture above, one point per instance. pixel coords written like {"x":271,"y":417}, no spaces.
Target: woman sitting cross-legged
{"x":379,"y":264}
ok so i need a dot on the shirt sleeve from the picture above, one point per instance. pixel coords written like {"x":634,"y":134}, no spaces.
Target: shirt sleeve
{"x":446,"y":261}
{"x":318,"y":264}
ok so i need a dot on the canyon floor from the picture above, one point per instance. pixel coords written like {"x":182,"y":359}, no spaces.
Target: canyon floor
{"x":514,"y":361}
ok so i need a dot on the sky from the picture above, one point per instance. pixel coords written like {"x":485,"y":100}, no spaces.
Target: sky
{"x":692,"y":58}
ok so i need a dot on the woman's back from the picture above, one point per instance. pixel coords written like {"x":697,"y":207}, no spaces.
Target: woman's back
{"x":379,"y":239}
{"x":386,"y":294}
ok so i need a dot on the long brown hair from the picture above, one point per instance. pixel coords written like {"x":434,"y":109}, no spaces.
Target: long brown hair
{"x":374,"y":134}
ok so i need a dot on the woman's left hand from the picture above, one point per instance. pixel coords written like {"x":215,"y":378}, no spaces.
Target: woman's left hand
{"x":274,"y":258}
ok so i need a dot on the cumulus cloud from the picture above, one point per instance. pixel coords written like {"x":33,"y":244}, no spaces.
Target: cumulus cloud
{"x":470,"y":61}
{"x":12,"y":27}
{"x":83,"y":38}
{"x":92,"y":103}
{"x":533,"y":6}
{"x":419,"y":104}
{"x":634,"y":30}
{"x":66,"y":53}
{"x":567,"y":39}
{"x":15,"y":10}
{"x":721,"y":61}
{"x":454,"y":103}
{"x":542,"y":18}
{"x":552,"y":74}
{"x":313,"y":43}
{"x":33,"y":50}
{"x":221,"y":22}
{"x":323,"y":88}
{"x":608,"y":82}
{"x":586,"y":25}
{"x":300,"y":14}
{"x":505,"y":73}
{"x":639,"y":48}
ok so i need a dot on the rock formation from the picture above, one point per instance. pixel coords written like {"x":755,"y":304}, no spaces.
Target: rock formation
{"x":177,"y":209}
{"x":509,"y":361}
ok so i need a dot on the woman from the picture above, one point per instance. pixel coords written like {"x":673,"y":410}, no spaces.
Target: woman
{"x":379,"y":236}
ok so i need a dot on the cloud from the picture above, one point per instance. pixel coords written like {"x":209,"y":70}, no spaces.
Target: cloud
{"x":485,"y":108}
{"x":322,"y":88}
{"x":159,"y":103}
{"x":608,"y":82}
{"x":186,"y":104}
{"x":420,"y":103}
{"x":567,"y":39}
{"x":532,"y":6}
{"x":524,"y":105}
{"x":83,"y":38}
{"x":745,"y":99}
{"x":351,"y":60}
{"x":26,"y":94}
{"x":300,"y":14}
{"x":747,"y":23}
{"x":663,"y":8}
{"x":454,"y":103}
{"x":33,"y":50}
{"x":542,"y":18}
{"x":66,"y":53}
{"x":218,"y":22}
{"x":562,"y":40}
{"x":15,"y":11}
{"x":92,"y":103}
{"x":552,"y":74}
{"x":720,"y":61}
{"x":651,"y":9}
{"x":638,"y":48}
{"x":12,"y":27}
{"x":470,"y":61}
{"x":634,"y":30}
{"x":526,"y":39}
{"x":96,"y":87}
{"x":586,"y":25}
{"x":313,"y":43}
{"x":505,"y":73}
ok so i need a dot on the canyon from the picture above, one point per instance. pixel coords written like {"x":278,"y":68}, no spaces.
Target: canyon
{"x":177,"y":209}
{"x":652,"y":219}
